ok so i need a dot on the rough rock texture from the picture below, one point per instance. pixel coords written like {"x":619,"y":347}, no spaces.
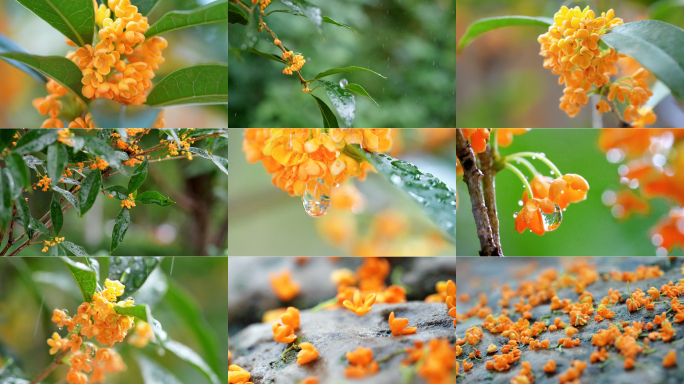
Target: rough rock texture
{"x":475,"y":275}
{"x":250,"y":293}
{"x":335,"y":332}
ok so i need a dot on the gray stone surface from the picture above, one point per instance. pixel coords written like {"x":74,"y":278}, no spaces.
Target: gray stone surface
{"x":475,"y":275}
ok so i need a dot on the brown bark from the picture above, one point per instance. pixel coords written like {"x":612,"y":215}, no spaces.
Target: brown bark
{"x":473,"y":176}
{"x":489,"y":189}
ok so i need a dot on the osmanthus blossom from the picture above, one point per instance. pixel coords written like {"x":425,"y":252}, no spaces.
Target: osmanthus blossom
{"x":361,"y":363}
{"x":400,"y":326}
{"x":358,"y":306}
{"x":237,"y":375}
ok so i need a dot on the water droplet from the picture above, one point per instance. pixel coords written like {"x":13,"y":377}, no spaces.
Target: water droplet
{"x":396,"y":180}
{"x":534,"y":157}
{"x":515,"y":215}
{"x":553,"y":220}
{"x":290,"y":143}
{"x":419,"y":199}
{"x":343,"y":83}
{"x":316,"y":197}
{"x":520,"y":203}
{"x":553,"y":173}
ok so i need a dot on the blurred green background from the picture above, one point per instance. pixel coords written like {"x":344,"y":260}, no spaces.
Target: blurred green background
{"x":412,"y":43}
{"x":25,"y":327}
{"x":197,"y":224}
{"x":265,"y":221}
{"x":500,"y":79}
{"x":187,"y":47}
{"x":588,"y":227}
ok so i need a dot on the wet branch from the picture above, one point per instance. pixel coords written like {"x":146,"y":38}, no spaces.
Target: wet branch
{"x":472,"y":176}
{"x":489,"y":189}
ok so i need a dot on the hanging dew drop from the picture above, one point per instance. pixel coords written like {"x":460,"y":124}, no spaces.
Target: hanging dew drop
{"x":316,"y":197}
{"x":344,"y":83}
{"x":396,"y":180}
{"x":520,"y":203}
{"x":534,"y":157}
{"x":553,"y":220}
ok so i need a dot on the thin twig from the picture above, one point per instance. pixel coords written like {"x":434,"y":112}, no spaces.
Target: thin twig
{"x":472,"y":176}
{"x":489,"y":189}
{"x":55,"y":363}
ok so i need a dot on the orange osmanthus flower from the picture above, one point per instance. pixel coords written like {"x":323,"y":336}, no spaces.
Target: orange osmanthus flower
{"x":399,"y":326}
{"x":478,"y":138}
{"x":307,"y":354}
{"x":504,"y":136}
{"x":361,"y":363}
{"x":237,"y":375}
{"x":283,"y":333}
{"x":360,"y":307}
{"x":285,"y":288}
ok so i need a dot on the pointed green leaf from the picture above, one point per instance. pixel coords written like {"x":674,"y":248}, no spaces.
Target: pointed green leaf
{"x":5,"y":196}
{"x":35,"y":140}
{"x":329,"y":119}
{"x":112,"y":114}
{"x":59,"y":69}
{"x":145,"y":7}
{"x":57,"y":158}
{"x":118,"y":191}
{"x":220,"y":162}
{"x":77,"y":250}
{"x":359,"y":90}
{"x":342,"y":100}
{"x":24,"y":214}
{"x":139,"y":176}
{"x":37,"y":226}
{"x":68,"y":195}
{"x":485,"y":25}
{"x":657,"y":46}
{"x":267,"y":55}
{"x":435,"y":198}
{"x":326,"y":19}
{"x":90,"y":188}
{"x":7,"y":45}
{"x":309,"y":10}
{"x":345,"y":69}
{"x":189,"y":356}
{"x":210,"y":13}
{"x":101,"y":149}
{"x":154,"y":373}
{"x":57,"y":250}
{"x":153,"y":197}
{"x":237,"y":15}
{"x":75,"y":19}
{"x":84,"y":275}
{"x":132,"y":272}
{"x":199,"y":84}
{"x":6,"y":137}
{"x":20,"y":172}
{"x":56,"y":215}
{"x":120,"y":228}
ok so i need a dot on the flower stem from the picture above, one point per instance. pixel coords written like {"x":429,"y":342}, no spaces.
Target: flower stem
{"x":526,"y":163}
{"x":541,"y":157}
{"x":521,"y":177}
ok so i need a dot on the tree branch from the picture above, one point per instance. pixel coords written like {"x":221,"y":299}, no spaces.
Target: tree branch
{"x":472,"y":176}
{"x":55,"y":363}
{"x":490,"y":194}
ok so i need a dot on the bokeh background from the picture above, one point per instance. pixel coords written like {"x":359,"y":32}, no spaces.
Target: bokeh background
{"x":500,"y":79}
{"x":588,"y":227}
{"x":26,"y":283}
{"x":197,"y":224}
{"x":412,"y":43}
{"x":266,"y":221}
{"x":187,"y":47}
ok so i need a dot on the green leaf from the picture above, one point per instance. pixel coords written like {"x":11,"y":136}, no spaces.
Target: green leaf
{"x":59,"y":69}
{"x":329,"y":119}
{"x":56,"y":215}
{"x":24,"y":214}
{"x":37,"y":226}
{"x":342,"y":100}
{"x":68,"y":195}
{"x":5,"y":197}
{"x":199,"y":84}
{"x":139,"y":176}
{"x":236,"y":15}
{"x":57,"y":250}
{"x":210,"y":13}
{"x":90,"y":188}
{"x":145,"y":7}
{"x":77,"y":250}
{"x":153,"y":197}
{"x":326,"y":19}
{"x":6,"y":137}
{"x":120,"y":228}
{"x":132,"y":271}
{"x":57,"y":158}
{"x":664,"y":9}
{"x":655,"y":45}
{"x":10,"y":373}
{"x":184,"y":305}
{"x":359,"y":90}
{"x":220,"y":162}
{"x":118,"y":191}
{"x":33,"y":163}
{"x":75,"y":19}
{"x":267,"y":55}
{"x":189,"y":356}
{"x":153,"y":373}
{"x":101,"y":149}
{"x":481,"y":26}
{"x":307,"y":9}
{"x":660,"y":92}
{"x":84,"y":275}
{"x":35,"y":140}
{"x":345,"y":69}
{"x":435,"y":198}
{"x":19,"y":171}
{"x":7,"y":45}
{"x":112,"y":114}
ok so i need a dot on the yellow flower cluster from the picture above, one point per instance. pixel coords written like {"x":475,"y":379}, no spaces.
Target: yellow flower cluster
{"x":50,"y":105}
{"x":98,"y":319}
{"x":142,"y":336}
{"x":263,"y":3}
{"x":49,"y":243}
{"x":185,"y":143}
{"x":99,"y":164}
{"x":134,"y":152}
{"x":128,"y":203}
{"x":572,"y":51}
{"x":43,"y":183}
{"x":295,"y":62}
